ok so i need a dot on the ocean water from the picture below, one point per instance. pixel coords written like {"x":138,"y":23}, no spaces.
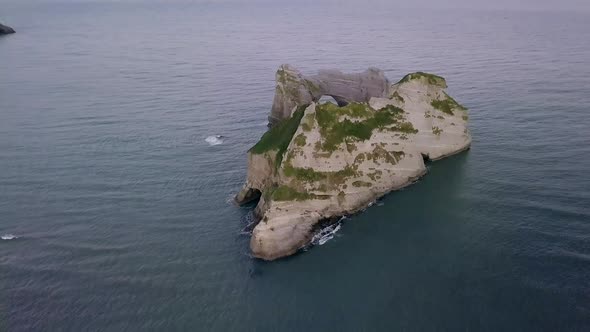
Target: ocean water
{"x":115,"y":191}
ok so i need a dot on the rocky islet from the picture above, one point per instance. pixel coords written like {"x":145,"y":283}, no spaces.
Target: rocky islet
{"x":321,"y":160}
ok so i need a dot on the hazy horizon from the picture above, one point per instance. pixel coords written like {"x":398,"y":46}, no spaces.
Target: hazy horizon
{"x":528,"y":5}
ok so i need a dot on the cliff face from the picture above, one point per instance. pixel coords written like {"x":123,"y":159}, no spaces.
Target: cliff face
{"x":325,"y":161}
{"x":4,"y":30}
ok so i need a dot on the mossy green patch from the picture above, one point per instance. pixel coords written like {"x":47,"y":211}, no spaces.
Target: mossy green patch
{"x":359,"y":184}
{"x":267,"y":193}
{"x":350,"y":147}
{"x":375,"y":176}
{"x":303,"y":174}
{"x":381,"y":153}
{"x":336,"y":130}
{"x":443,"y":106}
{"x":309,"y":175}
{"x":360,"y":158}
{"x":447,"y":105}
{"x":455,"y":103}
{"x":300,"y":140}
{"x":279,"y":136}
{"x":405,"y":127}
{"x":353,"y":110}
{"x":436,"y":130}
{"x":430,"y":78}
{"x":398,"y":155}
{"x":339,"y":177}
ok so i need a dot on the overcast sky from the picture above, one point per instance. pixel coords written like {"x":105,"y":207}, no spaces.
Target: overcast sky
{"x":581,"y":5}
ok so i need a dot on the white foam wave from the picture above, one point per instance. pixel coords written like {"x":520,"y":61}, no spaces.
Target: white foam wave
{"x":8,"y":237}
{"x":214,"y":140}
{"x":326,"y":234}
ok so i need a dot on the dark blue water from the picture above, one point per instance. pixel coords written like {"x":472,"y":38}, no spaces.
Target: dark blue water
{"x":122,"y":211}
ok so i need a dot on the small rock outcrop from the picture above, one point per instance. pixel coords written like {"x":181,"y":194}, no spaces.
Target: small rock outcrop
{"x":4,"y":30}
{"x":320,"y":161}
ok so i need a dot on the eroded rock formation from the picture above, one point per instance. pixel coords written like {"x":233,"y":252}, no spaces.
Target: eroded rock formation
{"x":4,"y":30}
{"x":321,"y":161}
{"x":295,"y":89}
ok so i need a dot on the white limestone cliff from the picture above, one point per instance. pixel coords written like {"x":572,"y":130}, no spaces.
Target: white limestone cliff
{"x":323,"y":161}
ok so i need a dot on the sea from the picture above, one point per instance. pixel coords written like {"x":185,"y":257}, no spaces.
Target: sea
{"x":124,"y":127}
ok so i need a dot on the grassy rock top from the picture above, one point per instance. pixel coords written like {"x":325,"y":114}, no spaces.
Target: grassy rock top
{"x":425,"y":77}
{"x":354,"y":122}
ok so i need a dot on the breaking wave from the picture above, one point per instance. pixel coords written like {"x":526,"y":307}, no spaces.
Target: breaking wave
{"x":251,"y":222}
{"x":214,"y":140}
{"x":327,"y":233}
{"x":8,"y":237}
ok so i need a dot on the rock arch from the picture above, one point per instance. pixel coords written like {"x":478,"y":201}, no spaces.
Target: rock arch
{"x":294,"y":89}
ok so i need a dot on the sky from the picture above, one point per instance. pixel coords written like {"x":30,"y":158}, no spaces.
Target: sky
{"x":568,"y":5}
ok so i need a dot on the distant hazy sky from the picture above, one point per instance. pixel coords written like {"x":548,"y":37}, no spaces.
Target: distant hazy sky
{"x":582,"y":5}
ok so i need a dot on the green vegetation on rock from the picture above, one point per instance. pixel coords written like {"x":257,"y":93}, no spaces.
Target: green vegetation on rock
{"x":339,"y":177}
{"x":300,"y":140}
{"x":430,"y":78}
{"x":443,"y":106}
{"x":375,"y":176}
{"x":359,"y":184}
{"x":406,"y":127}
{"x":380,"y":153}
{"x":279,"y":136}
{"x":336,"y":130}
{"x":447,"y":105}
{"x":303,"y":174}
{"x":309,"y":175}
